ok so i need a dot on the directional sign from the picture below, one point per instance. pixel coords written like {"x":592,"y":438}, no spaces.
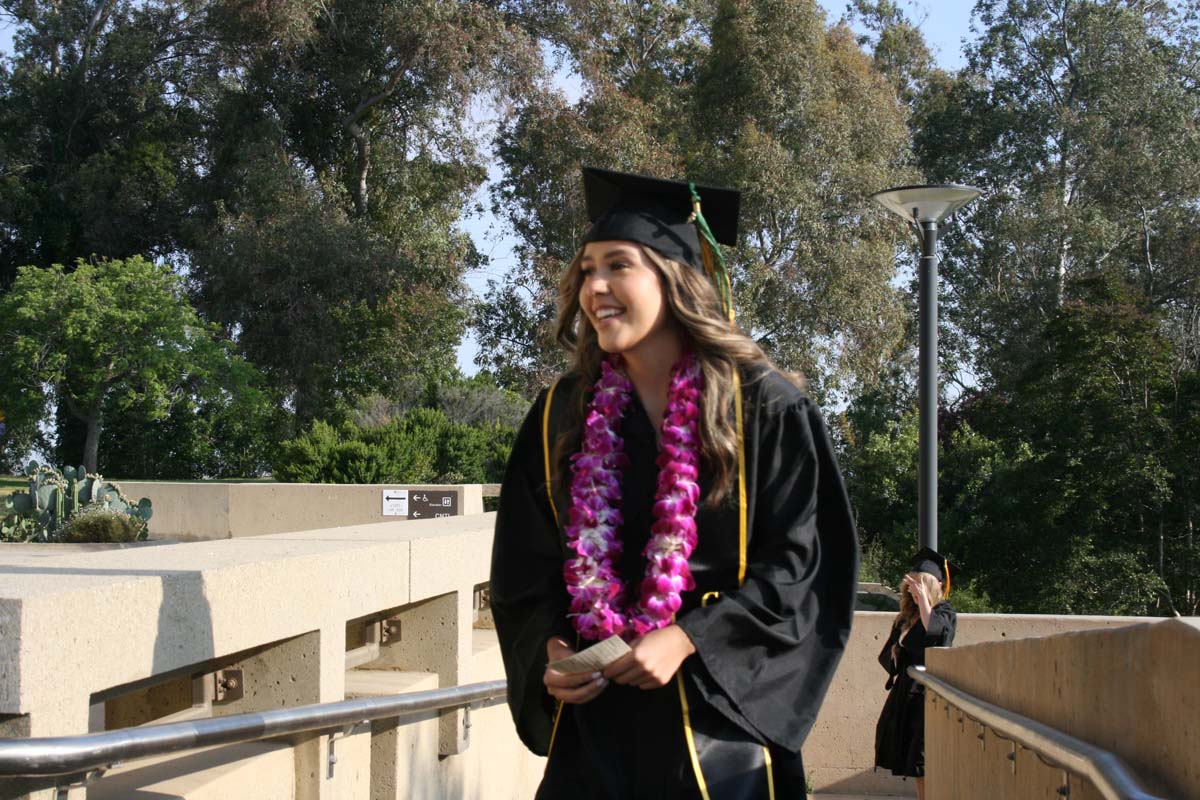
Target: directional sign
{"x":395,"y":502}
{"x":420,"y":503}
{"x":428,"y":503}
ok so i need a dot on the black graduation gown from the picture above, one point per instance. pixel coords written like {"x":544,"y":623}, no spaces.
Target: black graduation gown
{"x":900,"y":732}
{"x":766,"y":649}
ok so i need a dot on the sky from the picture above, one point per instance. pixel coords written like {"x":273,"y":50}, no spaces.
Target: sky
{"x":945,"y":23}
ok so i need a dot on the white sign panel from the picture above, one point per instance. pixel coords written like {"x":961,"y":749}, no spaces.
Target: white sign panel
{"x":395,"y":502}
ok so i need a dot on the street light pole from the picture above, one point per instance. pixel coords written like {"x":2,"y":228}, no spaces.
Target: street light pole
{"x":927,"y":388}
{"x":925,"y":207}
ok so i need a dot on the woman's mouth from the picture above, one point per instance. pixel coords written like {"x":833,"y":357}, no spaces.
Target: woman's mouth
{"x":608,"y":314}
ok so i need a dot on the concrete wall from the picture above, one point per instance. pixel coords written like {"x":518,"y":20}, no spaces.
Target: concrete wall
{"x":79,"y":629}
{"x":202,"y":511}
{"x":840,"y":753}
{"x":1134,"y":692}
{"x":87,"y":635}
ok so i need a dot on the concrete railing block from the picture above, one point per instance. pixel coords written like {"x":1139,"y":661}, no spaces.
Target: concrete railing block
{"x":1132,"y":691}
{"x":839,"y":755}
{"x":494,"y":740}
{"x":85,"y":629}
{"x":260,"y":770}
{"x":207,"y":511}
{"x":404,"y":751}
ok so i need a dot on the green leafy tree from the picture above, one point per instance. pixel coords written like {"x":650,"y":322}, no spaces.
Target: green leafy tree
{"x":759,"y":95}
{"x":223,"y":423}
{"x":472,"y":401}
{"x":306,"y":165}
{"x":342,"y":158}
{"x":99,"y":127}
{"x":1077,"y":119}
{"x":897,"y":45}
{"x":1080,"y":516}
{"x":880,"y":468}
{"x":328,"y":308}
{"x":1181,"y":546}
{"x":105,"y":337}
{"x":796,"y":113}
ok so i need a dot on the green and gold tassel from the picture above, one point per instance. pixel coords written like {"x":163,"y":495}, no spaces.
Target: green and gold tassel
{"x":710,"y":254}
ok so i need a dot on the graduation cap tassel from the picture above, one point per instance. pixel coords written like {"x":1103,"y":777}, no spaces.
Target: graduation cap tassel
{"x":946,"y":565}
{"x":710,"y":253}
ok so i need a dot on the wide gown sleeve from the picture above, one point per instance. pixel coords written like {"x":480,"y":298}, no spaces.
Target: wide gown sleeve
{"x":766,"y":652}
{"x":528,"y":593}
{"x":942,"y":622}
{"x":885,"y":655}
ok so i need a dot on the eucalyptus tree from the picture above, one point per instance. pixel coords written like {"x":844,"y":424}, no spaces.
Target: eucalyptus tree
{"x":1078,"y":119}
{"x":759,"y":95}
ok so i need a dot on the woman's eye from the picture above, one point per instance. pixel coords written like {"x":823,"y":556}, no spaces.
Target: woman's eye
{"x":585,"y":271}
{"x":618,"y":265}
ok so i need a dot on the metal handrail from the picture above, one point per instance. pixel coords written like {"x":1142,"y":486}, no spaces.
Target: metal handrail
{"x":1111,"y":776}
{"x":71,"y":755}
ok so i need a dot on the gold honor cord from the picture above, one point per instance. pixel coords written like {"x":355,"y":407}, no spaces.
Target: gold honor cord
{"x":546,"y":449}
{"x":691,"y":741}
{"x":710,"y":254}
{"x":687,"y":718}
{"x":741,"y":453}
{"x":554,"y":511}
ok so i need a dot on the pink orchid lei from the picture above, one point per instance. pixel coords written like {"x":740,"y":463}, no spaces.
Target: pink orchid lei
{"x":599,"y":606}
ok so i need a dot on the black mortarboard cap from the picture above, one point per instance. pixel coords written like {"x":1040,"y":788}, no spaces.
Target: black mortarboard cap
{"x":657,"y":213}
{"x":929,"y":560}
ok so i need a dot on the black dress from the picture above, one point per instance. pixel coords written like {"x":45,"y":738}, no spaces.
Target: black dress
{"x":769,"y":617}
{"x":900,"y":732}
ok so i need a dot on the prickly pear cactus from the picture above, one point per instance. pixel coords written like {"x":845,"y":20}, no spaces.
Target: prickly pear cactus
{"x":39,"y":514}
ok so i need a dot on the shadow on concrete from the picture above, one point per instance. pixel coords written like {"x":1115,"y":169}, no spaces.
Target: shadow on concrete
{"x":872,"y":784}
{"x":146,"y":783}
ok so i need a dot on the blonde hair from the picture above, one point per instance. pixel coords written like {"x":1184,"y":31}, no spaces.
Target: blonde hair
{"x":909,"y":612}
{"x":720,"y":347}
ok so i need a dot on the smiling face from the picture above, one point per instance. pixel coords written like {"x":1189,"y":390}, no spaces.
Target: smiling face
{"x":621,"y":294}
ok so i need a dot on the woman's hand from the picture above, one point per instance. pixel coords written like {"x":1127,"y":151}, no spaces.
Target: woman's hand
{"x":916,"y":588}
{"x":654,"y":660}
{"x":576,"y":687}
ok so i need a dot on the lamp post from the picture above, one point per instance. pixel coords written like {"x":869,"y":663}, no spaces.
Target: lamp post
{"x":924,"y":207}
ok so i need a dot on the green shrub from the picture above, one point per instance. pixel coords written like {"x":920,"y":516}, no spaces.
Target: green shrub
{"x":422,"y":446}
{"x":304,"y":459}
{"x":357,"y":462}
{"x":99,"y":524}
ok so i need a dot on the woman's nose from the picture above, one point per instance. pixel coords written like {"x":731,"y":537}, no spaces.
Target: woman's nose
{"x":596,"y":284}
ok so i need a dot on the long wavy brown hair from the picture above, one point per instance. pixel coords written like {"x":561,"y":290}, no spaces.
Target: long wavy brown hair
{"x":720,"y":347}
{"x":909,"y":612}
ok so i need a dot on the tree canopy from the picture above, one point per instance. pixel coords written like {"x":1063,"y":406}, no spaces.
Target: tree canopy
{"x":759,"y":95}
{"x":305,"y":168}
{"x":102,"y":338}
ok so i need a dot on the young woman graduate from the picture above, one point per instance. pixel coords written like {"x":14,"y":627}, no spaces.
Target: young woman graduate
{"x":925,"y":620}
{"x":676,"y":490}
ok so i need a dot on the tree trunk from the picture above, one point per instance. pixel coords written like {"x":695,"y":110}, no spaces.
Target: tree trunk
{"x":91,"y":445}
{"x":1192,"y":600}
{"x":358,"y":181}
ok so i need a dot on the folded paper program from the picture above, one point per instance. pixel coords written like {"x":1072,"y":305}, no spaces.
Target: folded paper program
{"x":593,"y":659}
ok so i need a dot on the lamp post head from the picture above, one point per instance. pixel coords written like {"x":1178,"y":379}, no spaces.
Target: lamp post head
{"x":930,"y":203}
